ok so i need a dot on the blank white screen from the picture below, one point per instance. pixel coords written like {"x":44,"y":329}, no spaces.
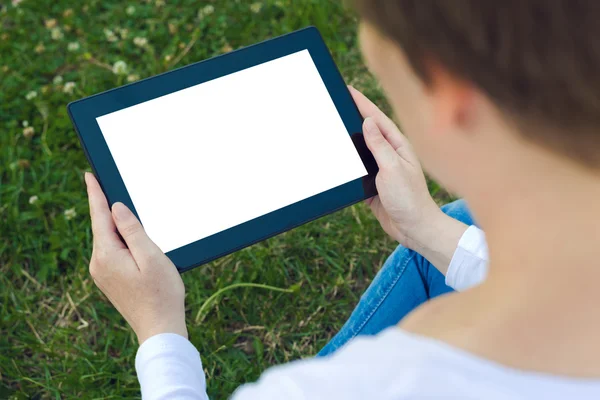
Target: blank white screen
{"x":215,"y":155}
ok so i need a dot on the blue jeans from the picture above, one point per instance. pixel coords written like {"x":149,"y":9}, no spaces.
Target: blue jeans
{"x":405,"y":281}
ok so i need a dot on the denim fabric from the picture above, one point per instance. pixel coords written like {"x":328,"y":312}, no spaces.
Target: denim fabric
{"x":405,"y":281}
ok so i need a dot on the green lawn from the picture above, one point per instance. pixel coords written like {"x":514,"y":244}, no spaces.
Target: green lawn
{"x":59,"y":337}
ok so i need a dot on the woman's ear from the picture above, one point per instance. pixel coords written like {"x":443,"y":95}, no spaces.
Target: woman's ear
{"x":452,"y":99}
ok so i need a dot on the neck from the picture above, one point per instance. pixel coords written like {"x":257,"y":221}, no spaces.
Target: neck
{"x":543,"y":233}
{"x":545,"y":221}
{"x":543,"y":230}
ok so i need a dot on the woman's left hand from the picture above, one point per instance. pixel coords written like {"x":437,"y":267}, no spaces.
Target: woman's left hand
{"x":138,"y":278}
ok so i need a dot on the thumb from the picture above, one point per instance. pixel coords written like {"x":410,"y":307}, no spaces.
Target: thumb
{"x":132,"y":231}
{"x":382,"y":150}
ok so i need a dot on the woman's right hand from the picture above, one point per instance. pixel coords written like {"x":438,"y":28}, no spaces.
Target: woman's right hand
{"x":404,"y":207}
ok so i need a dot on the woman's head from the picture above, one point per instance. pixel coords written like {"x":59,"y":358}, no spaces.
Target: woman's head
{"x":460,"y":74}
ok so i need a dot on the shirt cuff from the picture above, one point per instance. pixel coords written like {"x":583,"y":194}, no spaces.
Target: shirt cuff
{"x":169,"y":366}
{"x":469,"y":265}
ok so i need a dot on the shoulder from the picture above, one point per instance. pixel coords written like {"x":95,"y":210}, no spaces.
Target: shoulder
{"x":436,"y":318}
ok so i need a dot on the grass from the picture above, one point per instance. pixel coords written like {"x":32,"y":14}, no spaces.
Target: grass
{"x":59,"y":337}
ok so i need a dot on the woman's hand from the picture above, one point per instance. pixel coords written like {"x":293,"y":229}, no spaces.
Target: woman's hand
{"x":138,"y":279}
{"x":404,"y":204}
{"x":404,"y":207}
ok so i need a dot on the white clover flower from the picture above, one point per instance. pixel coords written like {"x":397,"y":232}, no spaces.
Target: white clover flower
{"x":56,"y":33}
{"x":69,"y":87}
{"x":70,"y":213}
{"x":140,"y":41}
{"x":58,"y":79}
{"x":226,"y":48}
{"x":25,"y":123}
{"x":124,"y":32}
{"x":133,"y":77}
{"x":28,"y":132}
{"x":130,"y":10}
{"x":110,"y":35}
{"x":255,"y":7}
{"x":73,"y":46}
{"x":33,"y":199}
{"x":206,"y":10}
{"x":31,"y":95}
{"x":50,"y":23}
{"x":120,"y":68}
{"x":15,"y":3}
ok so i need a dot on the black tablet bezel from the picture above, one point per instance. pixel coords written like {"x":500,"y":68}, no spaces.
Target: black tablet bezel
{"x":84,"y":112}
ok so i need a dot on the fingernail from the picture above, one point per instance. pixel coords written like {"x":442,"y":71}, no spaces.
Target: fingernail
{"x":370,"y":126}
{"x":120,"y":210}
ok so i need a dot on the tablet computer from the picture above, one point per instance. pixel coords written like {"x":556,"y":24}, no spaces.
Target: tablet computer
{"x":220,"y":154}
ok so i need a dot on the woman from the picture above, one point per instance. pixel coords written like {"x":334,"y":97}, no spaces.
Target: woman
{"x":501,"y":103}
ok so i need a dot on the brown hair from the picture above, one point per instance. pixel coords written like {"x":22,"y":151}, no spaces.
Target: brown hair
{"x":537,"y":60}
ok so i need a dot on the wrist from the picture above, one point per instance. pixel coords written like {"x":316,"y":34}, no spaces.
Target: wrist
{"x":177,"y":328}
{"x":436,"y":238}
{"x":422,"y":233}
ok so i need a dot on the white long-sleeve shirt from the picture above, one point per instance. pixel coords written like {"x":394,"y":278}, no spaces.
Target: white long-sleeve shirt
{"x":394,"y":364}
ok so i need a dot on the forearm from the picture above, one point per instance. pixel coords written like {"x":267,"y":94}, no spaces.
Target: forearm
{"x":437,"y":239}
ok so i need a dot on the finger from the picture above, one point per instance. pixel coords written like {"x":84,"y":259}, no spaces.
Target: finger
{"x":374,"y":205}
{"x":388,"y":128}
{"x":103,"y":226}
{"x":130,"y":228}
{"x":382,"y":150}
{"x":378,"y":210}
